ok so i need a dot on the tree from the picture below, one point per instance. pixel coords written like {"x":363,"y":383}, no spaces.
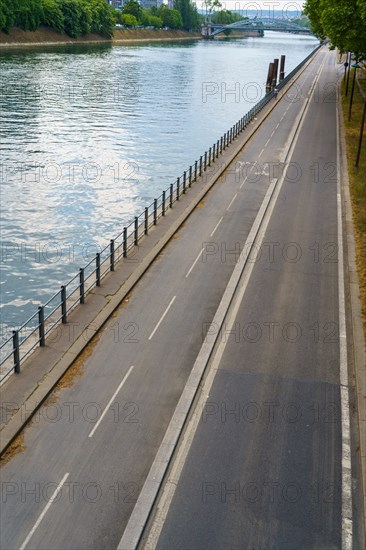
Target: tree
{"x":155,"y":22}
{"x":6,"y":16}
{"x":210,"y":6}
{"x":77,"y":17}
{"x":52,"y":15}
{"x":27,"y":14}
{"x":342,"y":21}
{"x":102,"y":18}
{"x":171,"y":17}
{"x":189,"y":14}
{"x":129,"y":20}
{"x":133,"y":8}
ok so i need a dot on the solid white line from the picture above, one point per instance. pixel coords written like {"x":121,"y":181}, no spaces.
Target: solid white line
{"x":111,"y":401}
{"x":347,"y":522}
{"x":216,"y":226}
{"x":162,"y":317}
{"x":241,"y":185}
{"x":232,"y":200}
{"x":44,"y":512}
{"x":194,"y":263}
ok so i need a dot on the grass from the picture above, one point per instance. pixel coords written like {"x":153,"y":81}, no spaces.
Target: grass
{"x":357,"y":180}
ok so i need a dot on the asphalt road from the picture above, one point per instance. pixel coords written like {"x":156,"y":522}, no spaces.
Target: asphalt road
{"x":264,"y":469}
{"x":87,"y":452}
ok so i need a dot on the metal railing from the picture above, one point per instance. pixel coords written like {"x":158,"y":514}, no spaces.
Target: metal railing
{"x":34,"y":331}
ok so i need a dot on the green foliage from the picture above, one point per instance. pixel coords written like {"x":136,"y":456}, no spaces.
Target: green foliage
{"x":342,"y":21}
{"x":210,"y":6}
{"x":102,"y":17}
{"x":133,"y":8}
{"x":6,"y":16}
{"x":52,"y":14}
{"x":27,"y":14}
{"x":77,"y":18}
{"x":302,"y":21}
{"x":171,"y":18}
{"x":189,"y":14}
{"x":129,"y":20}
{"x":225,"y":17}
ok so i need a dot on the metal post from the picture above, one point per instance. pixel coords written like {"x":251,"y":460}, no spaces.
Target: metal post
{"x":195,"y":170}
{"x":155,"y":211}
{"x":112,"y":254}
{"x":200,"y":165}
{"x":81,"y":285}
{"x":171,"y":196}
{"x":352,"y":93}
{"x":275,"y":74}
{"x":209,"y":156}
{"x":178,"y":185}
{"x":146,"y":220}
{"x":163,"y":204}
{"x":217,"y":148}
{"x":136,"y":231}
{"x":349,"y":72}
{"x":41,"y":326}
{"x":205,"y":162}
{"x":63,"y":305}
{"x":16,"y":351}
{"x":184,"y":182}
{"x":282,"y":67}
{"x":269,"y":78}
{"x":190,"y":176}
{"x":213,"y":152}
{"x":97,"y":269}
{"x":361,"y":136}
{"x":125,"y":242}
{"x":221,"y":145}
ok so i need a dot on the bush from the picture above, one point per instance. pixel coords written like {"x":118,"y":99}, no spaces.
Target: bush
{"x":129,"y":20}
{"x":52,"y":14}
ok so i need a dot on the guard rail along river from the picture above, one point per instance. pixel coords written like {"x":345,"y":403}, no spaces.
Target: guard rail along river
{"x":34,"y":331}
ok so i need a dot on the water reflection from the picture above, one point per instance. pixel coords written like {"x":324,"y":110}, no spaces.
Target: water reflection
{"x":91,"y":134}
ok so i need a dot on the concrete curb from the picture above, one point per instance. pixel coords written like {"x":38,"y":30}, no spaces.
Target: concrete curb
{"x":358,"y":341}
{"x":41,"y":389}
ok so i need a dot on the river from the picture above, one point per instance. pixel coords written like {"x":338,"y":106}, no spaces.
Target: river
{"x":91,"y":134}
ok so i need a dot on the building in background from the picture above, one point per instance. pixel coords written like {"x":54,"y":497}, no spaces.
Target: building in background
{"x":118,"y":4}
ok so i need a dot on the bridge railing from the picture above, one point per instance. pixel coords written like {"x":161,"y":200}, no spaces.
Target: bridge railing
{"x":43,"y":323}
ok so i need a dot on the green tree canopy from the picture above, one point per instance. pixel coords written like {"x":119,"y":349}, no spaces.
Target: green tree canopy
{"x":189,"y":14}
{"x":133,"y":8}
{"x":171,"y":17}
{"x":342,"y":21}
{"x":129,"y":20}
{"x":53,"y":15}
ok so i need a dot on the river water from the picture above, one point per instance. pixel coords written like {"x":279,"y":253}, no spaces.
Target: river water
{"x":91,"y":134}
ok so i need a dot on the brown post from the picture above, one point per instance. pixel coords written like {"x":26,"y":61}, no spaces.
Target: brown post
{"x":275,"y":73}
{"x":282,"y":68}
{"x":269,"y":78}
{"x":361,"y":136}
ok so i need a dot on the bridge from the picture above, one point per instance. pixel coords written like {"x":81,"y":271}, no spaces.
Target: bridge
{"x":256,"y":24}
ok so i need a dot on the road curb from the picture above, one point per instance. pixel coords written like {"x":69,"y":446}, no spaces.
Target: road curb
{"x":42,"y":388}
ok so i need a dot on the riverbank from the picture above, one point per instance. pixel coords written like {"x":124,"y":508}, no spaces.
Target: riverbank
{"x":17,"y":38}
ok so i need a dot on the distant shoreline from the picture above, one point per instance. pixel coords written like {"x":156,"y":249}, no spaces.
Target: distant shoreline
{"x":18,"y":38}
{"x":45,"y":36}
